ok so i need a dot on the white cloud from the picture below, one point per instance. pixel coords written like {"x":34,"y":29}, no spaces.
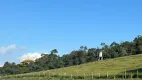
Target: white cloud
{"x":31,"y":56}
{"x":11,"y":48}
{"x":1,"y":65}
{"x":7,"y":49}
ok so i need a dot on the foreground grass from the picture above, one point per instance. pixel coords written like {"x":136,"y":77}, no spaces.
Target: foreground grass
{"x":45,"y":78}
{"x":40,"y":78}
{"x":131,"y":65}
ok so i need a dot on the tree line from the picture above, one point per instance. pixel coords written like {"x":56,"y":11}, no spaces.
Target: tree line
{"x":76,"y":57}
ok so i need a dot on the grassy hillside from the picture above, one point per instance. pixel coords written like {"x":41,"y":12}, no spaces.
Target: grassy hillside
{"x":110,"y":66}
{"x":100,"y":68}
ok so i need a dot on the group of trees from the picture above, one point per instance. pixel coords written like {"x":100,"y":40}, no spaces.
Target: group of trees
{"x":76,"y":57}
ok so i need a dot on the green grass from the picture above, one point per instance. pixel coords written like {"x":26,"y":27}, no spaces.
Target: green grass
{"x":124,"y":65}
{"x":110,"y":66}
{"x":62,"y":79}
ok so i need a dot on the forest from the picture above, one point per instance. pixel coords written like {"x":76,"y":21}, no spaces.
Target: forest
{"x":76,"y":57}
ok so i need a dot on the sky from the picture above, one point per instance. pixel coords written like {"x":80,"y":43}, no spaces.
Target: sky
{"x":31,"y":27}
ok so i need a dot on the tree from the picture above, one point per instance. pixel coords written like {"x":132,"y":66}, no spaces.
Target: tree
{"x":102,"y":44}
{"x":128,"y":46}
{"x":92,"y":55}
{"x":138,"y":44}
{"x":83,"y":48}
{"x":28,"y":61}
{"x":54,"y":51}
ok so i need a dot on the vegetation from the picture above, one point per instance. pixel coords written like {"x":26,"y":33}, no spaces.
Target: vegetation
{"x":81,"y":56}
{"x":123,"y":67}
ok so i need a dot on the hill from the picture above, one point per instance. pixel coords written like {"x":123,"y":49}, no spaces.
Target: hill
{"x":108,"y":67}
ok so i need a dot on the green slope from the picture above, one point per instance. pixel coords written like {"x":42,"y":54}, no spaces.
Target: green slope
{"x":101,"y":68}
{"x":110,"y":66}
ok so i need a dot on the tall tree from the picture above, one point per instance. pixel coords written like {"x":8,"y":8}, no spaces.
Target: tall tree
{"x":54,"y":51}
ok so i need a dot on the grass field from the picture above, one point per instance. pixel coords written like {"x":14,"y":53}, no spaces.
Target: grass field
{"x":125,"y":67}
{"x":62,"y":79}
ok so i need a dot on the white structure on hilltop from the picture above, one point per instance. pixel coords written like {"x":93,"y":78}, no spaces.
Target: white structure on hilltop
{"x":101,"y":55}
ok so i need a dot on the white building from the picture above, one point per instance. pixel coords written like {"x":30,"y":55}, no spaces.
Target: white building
{"x":101,"y":55}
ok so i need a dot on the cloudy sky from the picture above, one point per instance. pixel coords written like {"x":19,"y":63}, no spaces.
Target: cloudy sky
{"x":31,"y":27}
